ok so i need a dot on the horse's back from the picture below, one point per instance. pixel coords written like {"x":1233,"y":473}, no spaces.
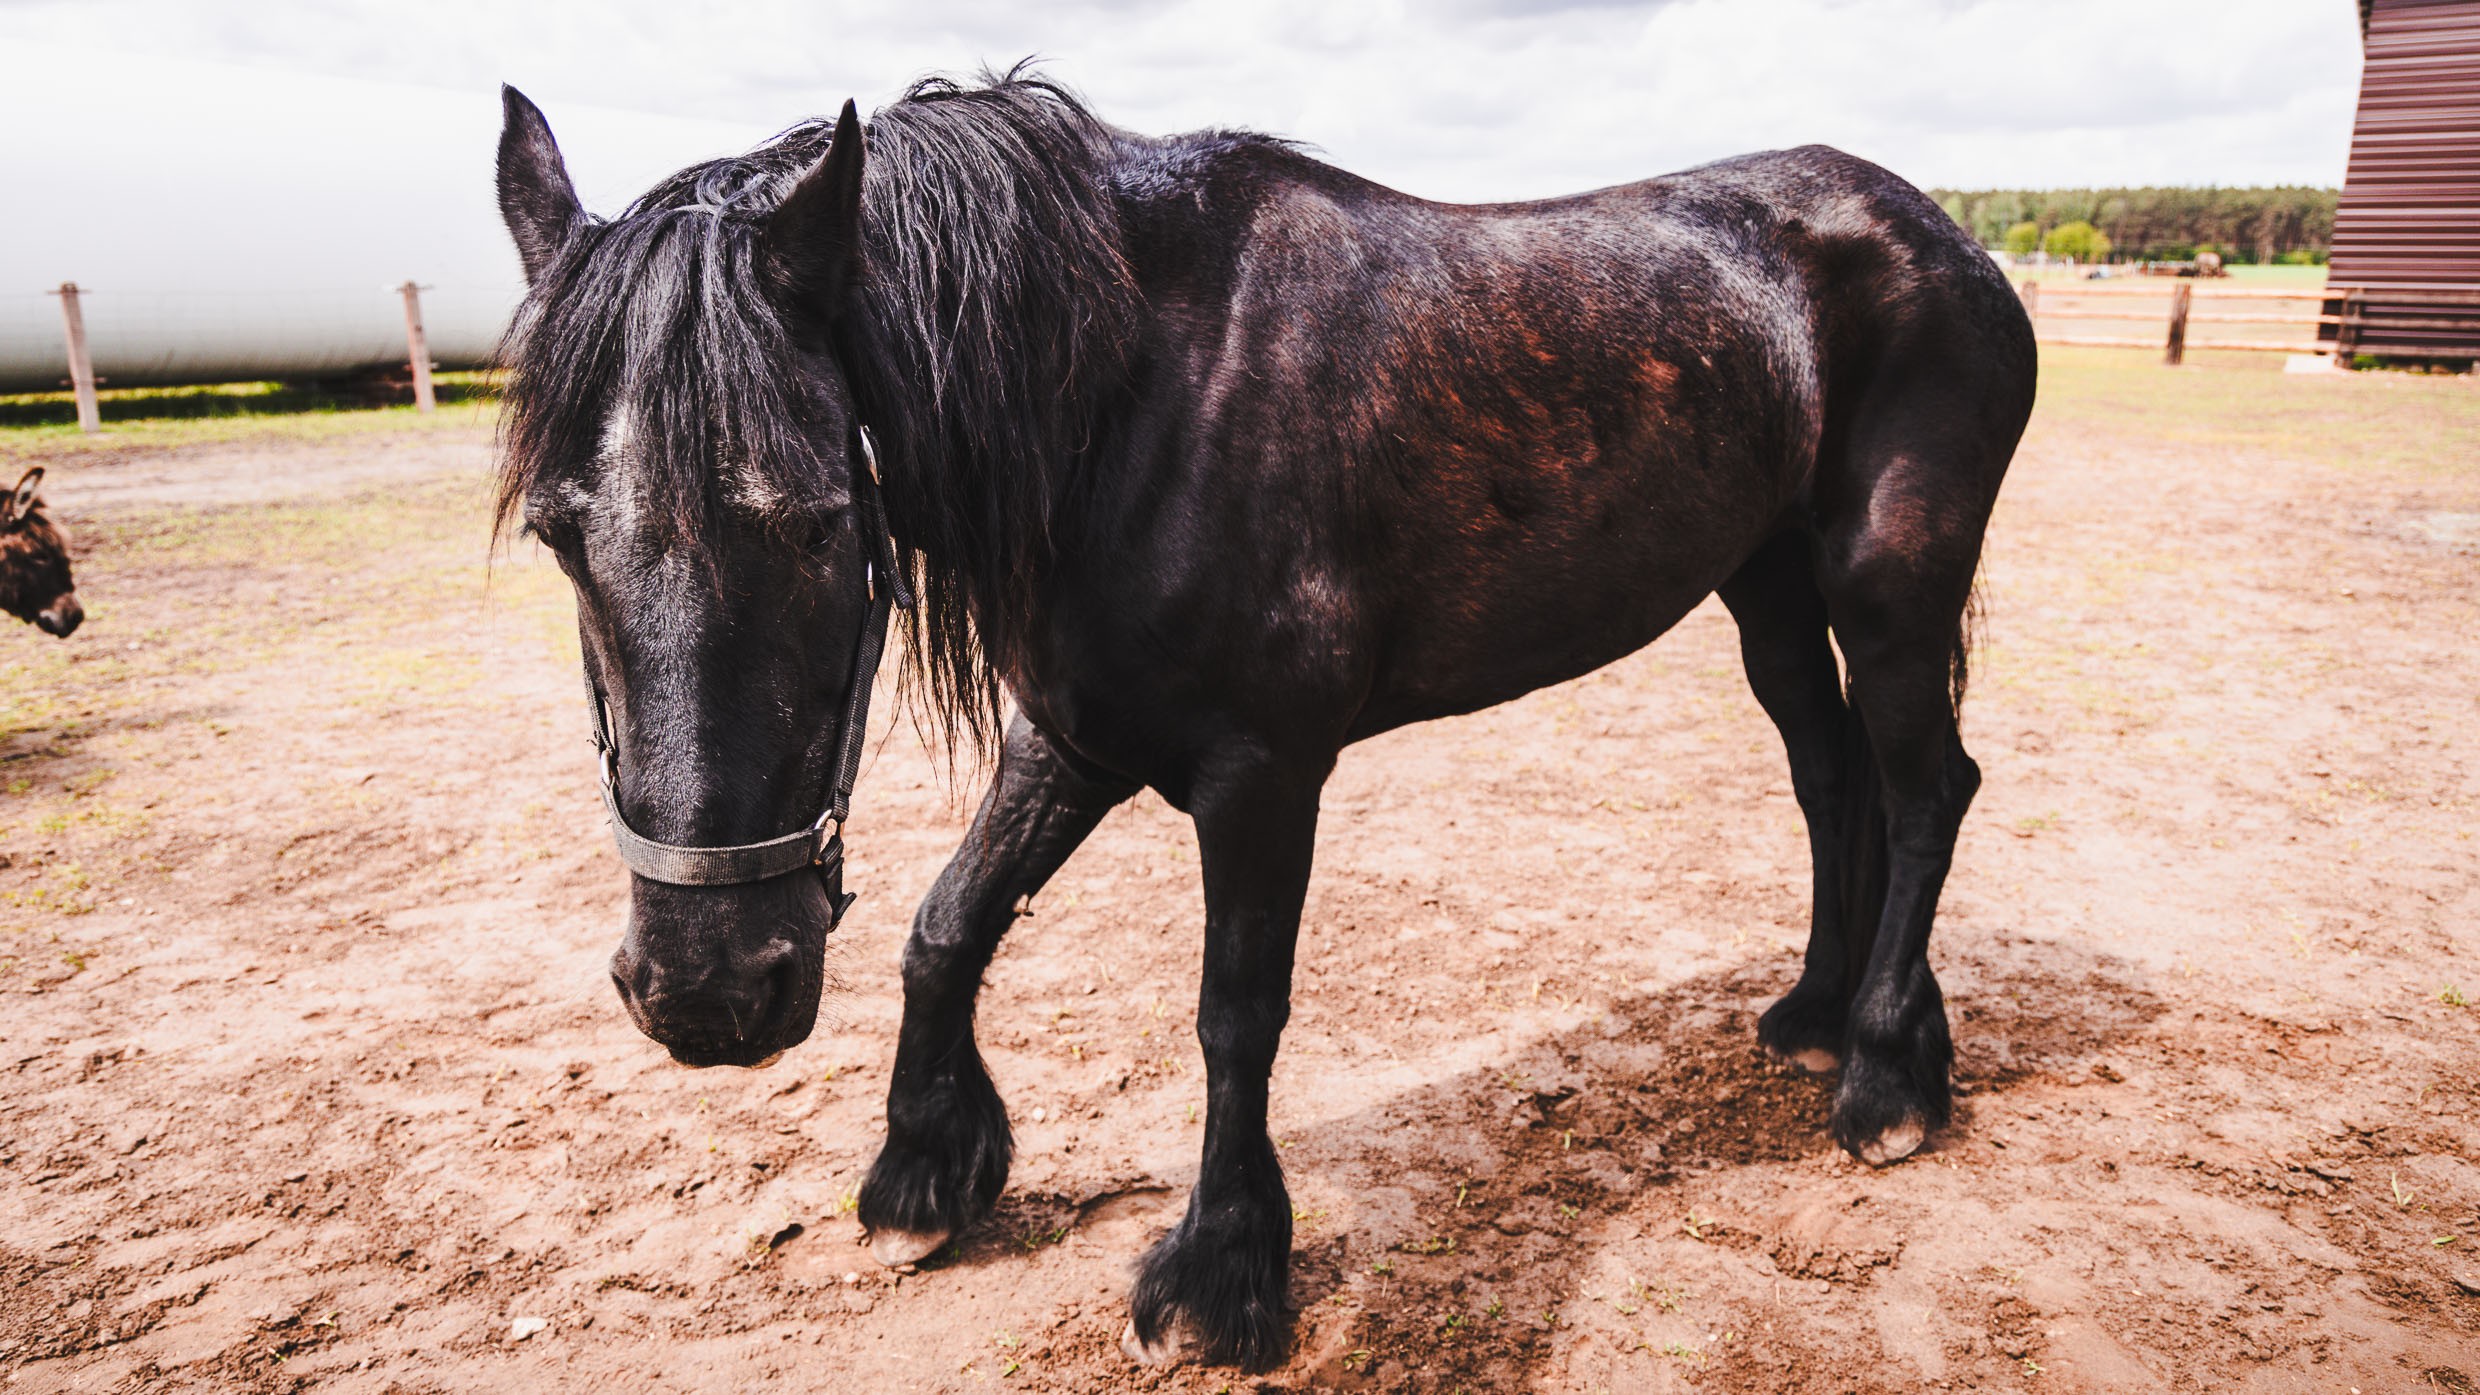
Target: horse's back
{"x":1483,"y":448}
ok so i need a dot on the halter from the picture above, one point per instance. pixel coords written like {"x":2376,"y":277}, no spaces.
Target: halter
{"x":821,"y":845}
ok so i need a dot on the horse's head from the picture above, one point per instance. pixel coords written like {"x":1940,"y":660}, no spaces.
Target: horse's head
{"x":680,"y":436}
{"x":34,"y":563}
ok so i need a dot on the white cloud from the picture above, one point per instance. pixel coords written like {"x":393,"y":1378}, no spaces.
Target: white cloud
{"x":1453,"y":99}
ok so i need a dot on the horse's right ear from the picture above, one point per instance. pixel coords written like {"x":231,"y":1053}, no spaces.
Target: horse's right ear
{"x":535,"y":196}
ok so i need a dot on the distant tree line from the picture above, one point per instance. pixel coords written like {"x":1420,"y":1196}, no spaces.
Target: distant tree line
{"x":2292,"y":224}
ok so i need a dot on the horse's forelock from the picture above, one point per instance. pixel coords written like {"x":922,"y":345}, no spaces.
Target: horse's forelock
{"x":656,"y":335}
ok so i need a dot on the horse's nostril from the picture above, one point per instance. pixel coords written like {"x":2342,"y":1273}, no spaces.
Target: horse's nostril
{"x":780,"y":986}
{"x":628,"y":976}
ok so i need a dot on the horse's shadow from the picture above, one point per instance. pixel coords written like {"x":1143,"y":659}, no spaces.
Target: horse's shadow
{"x":1596,"y":1136}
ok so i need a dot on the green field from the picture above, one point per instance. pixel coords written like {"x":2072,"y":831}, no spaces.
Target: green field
{"x":42,"y":426}
{"x":2220,"y":404}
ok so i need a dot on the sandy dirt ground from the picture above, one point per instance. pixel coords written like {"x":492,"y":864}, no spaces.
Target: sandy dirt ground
{"x":311,"y":1077}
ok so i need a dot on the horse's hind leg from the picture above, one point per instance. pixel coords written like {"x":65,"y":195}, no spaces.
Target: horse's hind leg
{"x":947,"y":1149}
{"x":1791,"y":669}
{"x":1900,"y":524}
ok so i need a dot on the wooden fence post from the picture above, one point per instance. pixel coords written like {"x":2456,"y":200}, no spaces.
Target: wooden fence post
{"x":2032,"y":302}
{"x":2180,"y":296}
{"x":418,"y":349}
{"x":81,"y":368}
{"x":2346,"y":331}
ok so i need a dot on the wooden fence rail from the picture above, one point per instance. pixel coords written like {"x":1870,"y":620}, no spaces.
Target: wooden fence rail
{"x":2178,"y":301}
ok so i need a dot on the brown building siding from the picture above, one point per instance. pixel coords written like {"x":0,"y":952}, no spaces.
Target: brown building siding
{"x":2407,"y":236}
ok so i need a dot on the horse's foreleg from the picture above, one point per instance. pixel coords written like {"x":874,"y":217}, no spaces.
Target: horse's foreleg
{"x":947,"y":1149}
{"x":1218,"y":1282}
{"x":1790,"y":663}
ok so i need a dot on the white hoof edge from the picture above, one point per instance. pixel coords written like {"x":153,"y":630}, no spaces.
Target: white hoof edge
{"x":1815,"y":1060}
{"x":1895,"y":1144}
{"x":898,"y":1248}
{"x":1161,"y":1353}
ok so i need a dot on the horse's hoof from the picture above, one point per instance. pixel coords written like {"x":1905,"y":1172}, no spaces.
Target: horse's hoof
{"x":1895,"y":1144}
{"x":898,"y":1248}
{"x":1812,"y":1060}
{"x":1161,"y":1353}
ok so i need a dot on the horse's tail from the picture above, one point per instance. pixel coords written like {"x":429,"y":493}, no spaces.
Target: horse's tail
{"x":1959,"y":649}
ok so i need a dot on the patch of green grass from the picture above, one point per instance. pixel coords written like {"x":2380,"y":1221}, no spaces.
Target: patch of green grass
{"x":2221,"y":408}
{"x":2275,"y":277}
{"x":42,"y":426}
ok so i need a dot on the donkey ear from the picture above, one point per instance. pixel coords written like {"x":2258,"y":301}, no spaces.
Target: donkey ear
{"x":535,"y":197}
{"x":812,"y":241}
{"x":21,"y":498}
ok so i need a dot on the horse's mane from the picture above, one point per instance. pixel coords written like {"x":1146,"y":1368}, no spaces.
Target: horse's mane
{"x":984,"y":334}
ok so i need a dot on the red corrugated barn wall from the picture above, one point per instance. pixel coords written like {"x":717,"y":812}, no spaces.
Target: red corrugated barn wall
{"x":2406,"y":260}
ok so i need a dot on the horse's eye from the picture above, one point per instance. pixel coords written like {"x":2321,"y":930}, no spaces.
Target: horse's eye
{"x":551,"y":530}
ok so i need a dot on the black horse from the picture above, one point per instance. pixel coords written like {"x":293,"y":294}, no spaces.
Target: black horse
{"x":1213,"y":459}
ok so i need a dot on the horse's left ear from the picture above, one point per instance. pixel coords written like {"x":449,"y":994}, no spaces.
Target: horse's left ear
{"x":812,"y":241}
{"x":21,"y":498}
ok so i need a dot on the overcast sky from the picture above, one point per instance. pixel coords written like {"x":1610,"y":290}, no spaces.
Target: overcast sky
{"x":1464,"y":99}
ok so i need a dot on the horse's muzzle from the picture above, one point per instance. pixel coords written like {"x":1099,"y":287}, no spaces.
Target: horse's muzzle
{"x":61,"y":617}
{"x":712,"y":992}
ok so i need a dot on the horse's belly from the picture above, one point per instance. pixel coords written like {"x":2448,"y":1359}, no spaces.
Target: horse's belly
{"x":1574,"y":593}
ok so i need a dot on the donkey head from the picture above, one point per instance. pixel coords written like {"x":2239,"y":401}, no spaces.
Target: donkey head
{"x":34,"y":563}
{"x":682,"y":439}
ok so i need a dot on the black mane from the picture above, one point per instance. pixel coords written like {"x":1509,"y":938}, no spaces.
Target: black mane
{"x":984,"y":333}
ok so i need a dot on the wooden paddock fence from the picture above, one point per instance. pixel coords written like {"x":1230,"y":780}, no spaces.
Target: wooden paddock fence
{"x":82,"y":379}
{"x":2179,"y":304}
{"x":2338,"y":321}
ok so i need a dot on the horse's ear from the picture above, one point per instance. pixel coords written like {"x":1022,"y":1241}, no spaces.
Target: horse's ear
{"x":21,"y":498}
{"x":535,"y":196}
{"x":813,"y":239}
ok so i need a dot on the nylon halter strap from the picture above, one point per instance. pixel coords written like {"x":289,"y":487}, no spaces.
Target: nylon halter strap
{"x":821,"y":845}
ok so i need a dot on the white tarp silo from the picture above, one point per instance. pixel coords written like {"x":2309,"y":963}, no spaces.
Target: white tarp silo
{"x":228,"y":223}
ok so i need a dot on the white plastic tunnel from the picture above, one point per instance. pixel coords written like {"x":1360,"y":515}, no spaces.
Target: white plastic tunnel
{"x":229,"y":224}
